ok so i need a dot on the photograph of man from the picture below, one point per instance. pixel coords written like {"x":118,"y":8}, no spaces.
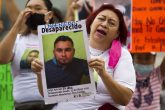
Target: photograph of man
{"x":26,"y":63}
{"x":64,"y":69}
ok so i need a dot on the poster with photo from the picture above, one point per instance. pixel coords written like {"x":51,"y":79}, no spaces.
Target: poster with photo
{"x":65,"y":53}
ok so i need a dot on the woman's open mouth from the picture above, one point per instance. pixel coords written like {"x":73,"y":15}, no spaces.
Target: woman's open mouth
{"x":100,"y":33}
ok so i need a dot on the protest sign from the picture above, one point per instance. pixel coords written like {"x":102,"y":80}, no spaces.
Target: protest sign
{"x":6,"y":88}
{"x":148,"y":26}
{"x":65,"y":81}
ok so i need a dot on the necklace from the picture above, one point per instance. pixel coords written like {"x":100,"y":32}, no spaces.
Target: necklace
{"x":96,"y":54}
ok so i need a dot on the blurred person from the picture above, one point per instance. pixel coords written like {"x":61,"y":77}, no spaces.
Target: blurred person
{"x":148,"y":82}
{"x":162,"y":96}
{"x":13,"y":47}
{"x":64,"y":69}
{"x":57,"y":15}
{"x":78,"y":8}
{"x":8,"y":15}
{"x":115,"y":82}
{"x":98,"y":3}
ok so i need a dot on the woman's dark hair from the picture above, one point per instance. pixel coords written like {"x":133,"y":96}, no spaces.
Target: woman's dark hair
{"x":122,"y":27}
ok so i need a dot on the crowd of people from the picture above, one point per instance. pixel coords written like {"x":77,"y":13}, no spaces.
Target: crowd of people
{"x":126,"y":81}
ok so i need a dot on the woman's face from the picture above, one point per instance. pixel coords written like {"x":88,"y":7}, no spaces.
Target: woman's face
{"x":104,"y":27}
{"x":37,"y":6}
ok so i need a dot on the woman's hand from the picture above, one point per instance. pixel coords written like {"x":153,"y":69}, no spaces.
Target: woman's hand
{"x":36,"y":66}
{"x":74,"y":5}
{"x":21,"y":19}
{"x":98,"y":65}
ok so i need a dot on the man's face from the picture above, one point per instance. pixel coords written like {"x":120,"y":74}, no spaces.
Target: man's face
{"x":32,"y":56}
{"x":63,"y":52}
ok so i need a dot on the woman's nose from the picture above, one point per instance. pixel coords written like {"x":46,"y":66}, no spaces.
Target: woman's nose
{"x":104,"y":24}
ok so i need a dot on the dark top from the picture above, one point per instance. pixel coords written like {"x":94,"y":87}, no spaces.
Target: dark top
{"x":68,"y":75}
{"x":25,"y":65}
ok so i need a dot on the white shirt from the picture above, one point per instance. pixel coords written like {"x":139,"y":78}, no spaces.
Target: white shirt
{"x":25,"y":86}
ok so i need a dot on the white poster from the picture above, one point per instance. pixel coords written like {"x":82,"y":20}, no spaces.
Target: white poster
{"x":66,"y":75}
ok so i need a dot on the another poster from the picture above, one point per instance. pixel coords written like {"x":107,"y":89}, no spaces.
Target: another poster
{"x":148,"y":26}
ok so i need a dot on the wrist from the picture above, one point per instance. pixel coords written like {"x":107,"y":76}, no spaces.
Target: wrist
{"x":105,"y":75}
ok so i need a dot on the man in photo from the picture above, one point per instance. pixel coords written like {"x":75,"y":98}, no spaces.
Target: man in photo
{"x":64,"y":69}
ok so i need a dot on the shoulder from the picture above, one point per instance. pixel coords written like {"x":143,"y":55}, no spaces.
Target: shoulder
{"x":78,"y":60}
{"x":125,"y":54}
{"x":21,"y":37}
{"x":125,"y":59}
{"x":49,"y":62}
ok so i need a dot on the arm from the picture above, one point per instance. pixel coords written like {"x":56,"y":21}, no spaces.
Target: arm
{"x":39,"y":81}
{"x":120,"y":94}
{"x":71,"y":6}
{"x":12,"y":10}
{"x":36,"y":66}
{"x":7,"y":44}
{"x":69,"y":14}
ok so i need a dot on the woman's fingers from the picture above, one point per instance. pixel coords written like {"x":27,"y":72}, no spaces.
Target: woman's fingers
{"x":96,"y":62}
{"x":36,"y":65}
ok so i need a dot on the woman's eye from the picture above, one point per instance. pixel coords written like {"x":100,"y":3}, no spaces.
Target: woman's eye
{"x":111,"y":24}
{"x":101,"y":19}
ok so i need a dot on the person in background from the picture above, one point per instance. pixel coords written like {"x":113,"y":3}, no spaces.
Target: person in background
{"x":78,"y":8}
{"x":148,"y":82}
{"x":13,"y":47}
{"x":162,"y":96}
{"x":98,"y":3}
{"x":8,"y":16}
{"x":115,"y":82}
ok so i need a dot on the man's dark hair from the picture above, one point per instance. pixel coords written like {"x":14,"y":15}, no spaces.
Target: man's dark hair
{"x":63,"y":38}
{"x":36,"y":51}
